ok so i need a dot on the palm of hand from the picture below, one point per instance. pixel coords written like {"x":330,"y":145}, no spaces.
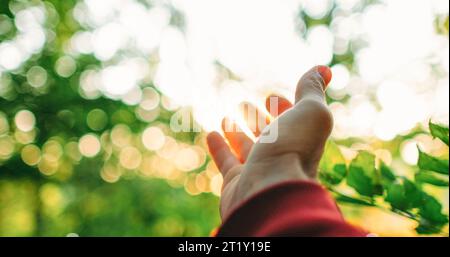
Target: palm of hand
{"x":302,"y":131}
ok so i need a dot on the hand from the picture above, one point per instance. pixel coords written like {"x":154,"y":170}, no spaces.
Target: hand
{"x":303,"y":129}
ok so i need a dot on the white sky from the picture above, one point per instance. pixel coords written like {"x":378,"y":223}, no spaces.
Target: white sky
{"x":393,"y":87}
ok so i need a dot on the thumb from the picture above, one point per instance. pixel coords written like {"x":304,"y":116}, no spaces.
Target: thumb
{"x":313,"y":83}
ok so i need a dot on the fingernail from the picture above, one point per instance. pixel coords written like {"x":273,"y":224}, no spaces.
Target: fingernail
{"x":326,"y":74}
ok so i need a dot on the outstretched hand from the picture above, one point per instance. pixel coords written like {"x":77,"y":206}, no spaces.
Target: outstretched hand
{"x":303,"y":129}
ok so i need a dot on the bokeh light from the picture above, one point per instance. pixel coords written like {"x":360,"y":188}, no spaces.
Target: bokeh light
{"x":153,"y":138}
{"x":7,"y":147}
{"x":37,"y":76}
{"x":130,"y":158}
{"x":31,"y":155}
{"x":25,"y":120}
{"x":88,"y":89}
{"x":187,"y":159}
{"x":89,"y":145}
{"x":97,"y":119}
{"x":65,"y":66}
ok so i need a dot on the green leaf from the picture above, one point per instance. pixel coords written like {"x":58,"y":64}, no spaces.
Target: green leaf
{"x":430,"y":178}
{"x":439,"y":131}
{"x":387,"y":175}
{"x":413,"y":193}
{"x":332,"y":165}
{"x":335,"y":177}
{"x":431,"y":210}
{"x":362,"y":175}
{"x":404,"y":196}
{"x":425,"y":228}
{"x":432,"y":220}
{"x":331,"y":156}
{"x":396,"y":197}
{"x":340,"y":170}
{"x":347,"y":199}
{"x":360,"y":181}
{"x":428,"y":162}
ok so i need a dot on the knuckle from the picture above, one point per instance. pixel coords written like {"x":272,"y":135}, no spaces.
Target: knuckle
{"x":232,"y":173}
{"x":320,"y":112}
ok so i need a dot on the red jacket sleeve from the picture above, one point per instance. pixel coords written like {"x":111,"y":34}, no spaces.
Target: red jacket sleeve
{"x":289,"y":209}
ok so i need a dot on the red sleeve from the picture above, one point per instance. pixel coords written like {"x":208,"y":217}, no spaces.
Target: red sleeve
{"x":289,"y":209}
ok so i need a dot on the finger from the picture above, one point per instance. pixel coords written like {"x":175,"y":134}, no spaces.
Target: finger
{"x":238,"y":140}
{"x":256,"y":120}
{"x":221,"y":153}
{"x":313,"y":84}
{"x":276,"y":105}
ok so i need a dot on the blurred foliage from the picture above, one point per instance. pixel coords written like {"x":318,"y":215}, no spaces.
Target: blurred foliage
{"x":377,"y":185}
{"x":47,"y":186}
{"x":74,"y":160}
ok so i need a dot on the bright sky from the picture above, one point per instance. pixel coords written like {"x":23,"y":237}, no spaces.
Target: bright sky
{"x":401,"y":75}
{"x":257,"y":40}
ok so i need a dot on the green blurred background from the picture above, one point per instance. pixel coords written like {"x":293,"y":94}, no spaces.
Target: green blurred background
{"x":76,"y":159}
